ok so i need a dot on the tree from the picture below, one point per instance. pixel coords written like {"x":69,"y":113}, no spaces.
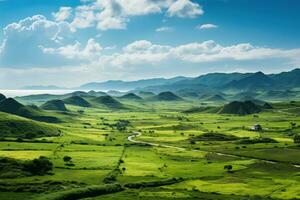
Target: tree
{"x":39,"y":166}
{"x":228,"y":168}
{"x":297,"y":139}
{"x":293,"y":125}
{"x":67,"y":159}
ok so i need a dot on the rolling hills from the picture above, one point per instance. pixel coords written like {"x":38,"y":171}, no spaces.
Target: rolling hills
{"x":12,"y":106}
{"x":77,"y":101}
{"x":166,"y":96}
{"x":240,"y":108}
{"x":108,"y":101}
{"x":131,"y":96}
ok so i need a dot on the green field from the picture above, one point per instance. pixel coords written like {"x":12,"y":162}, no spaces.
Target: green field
{"x":169,"y":156}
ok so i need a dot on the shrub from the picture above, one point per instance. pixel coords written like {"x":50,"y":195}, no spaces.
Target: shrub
{"x":228,"y":168}
{"x":39,"y":166}
{"x":257,"y":140}
{"x":67,"y":159}
{"x":297,"y":139}
{"x":213,"y":137}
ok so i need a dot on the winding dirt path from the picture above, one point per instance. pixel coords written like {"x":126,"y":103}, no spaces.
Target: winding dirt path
{"x":138,"y":134}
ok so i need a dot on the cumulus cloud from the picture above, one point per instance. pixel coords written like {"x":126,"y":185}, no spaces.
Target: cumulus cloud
{"x":91,"y":61}
{"x":115,"y":14}
{"x":92,"y":50}
{"x":63,"y":14}
{"x":185,"y":8}
{"x":164,"y":29}
{"x":207,"y":26}
{"x":144,"y":52}
{"x":22,"y":41}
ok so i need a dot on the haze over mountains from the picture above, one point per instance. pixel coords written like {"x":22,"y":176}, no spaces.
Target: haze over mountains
{"x":212,"y":82}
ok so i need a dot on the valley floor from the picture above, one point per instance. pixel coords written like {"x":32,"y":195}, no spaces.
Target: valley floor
{"x":159,"y":154}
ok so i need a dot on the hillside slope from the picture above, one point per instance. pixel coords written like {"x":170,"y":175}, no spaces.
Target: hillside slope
{"x":108,"y":102}
{"x":166,"y":96}
{"x":57,"y":105}
{"x":77,"y":101}
{"x":19,"y":127}
{"x":12,"y":106}
{"x":240,"y":108}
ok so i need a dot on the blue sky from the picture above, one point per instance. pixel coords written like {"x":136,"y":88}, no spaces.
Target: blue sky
{"x":70,"y":42}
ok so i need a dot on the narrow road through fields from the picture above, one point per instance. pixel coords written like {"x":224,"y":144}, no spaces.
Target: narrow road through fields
{"x":138,"y":134}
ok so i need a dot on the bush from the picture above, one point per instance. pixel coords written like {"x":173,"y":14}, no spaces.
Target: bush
{"x":39,"y":166}
{"x":67,"y":159}
{"x":12,"y":168}
{"x":228,"y":168}
{"x":297,"y":139}
{"x":213,"y":137}
{"x":257,"y":140}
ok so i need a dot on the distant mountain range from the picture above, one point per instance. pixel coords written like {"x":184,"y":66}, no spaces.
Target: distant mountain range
{"x":233,"y":82}
{"x":130,"y":85}
{"x":209,"y":82}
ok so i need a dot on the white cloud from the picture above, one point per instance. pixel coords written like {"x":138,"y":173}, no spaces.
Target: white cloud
{"x":164,"y":29}
{"x":144,"y":52}
{"x":92,"y":50}
{"x":84,"y":17}
{"x":115,"y":14}
{"x":185,"y":8}
{"x":207,"y":26}
{"x":20,"y":46}
{"x":38,"y":42}
{"x":63,"y":14}
{"x":141,"y":59}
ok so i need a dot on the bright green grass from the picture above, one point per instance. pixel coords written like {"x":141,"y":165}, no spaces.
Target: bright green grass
{"x":96,"y":149}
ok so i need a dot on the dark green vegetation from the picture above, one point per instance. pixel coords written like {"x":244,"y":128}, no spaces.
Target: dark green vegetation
{"x":12,"y":168}
{"x":240,"y":108}
{"x":131,"y":96}
{"x":2,"y":97}
{"x":77,"y":101}
{"x":58,"y":105}
{"x":108,"y":101}
{"x":12,"y":106}
{"x":166,"y":96}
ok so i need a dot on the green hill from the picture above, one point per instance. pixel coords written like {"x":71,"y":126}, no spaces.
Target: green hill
{"x":12,"y":106}
{"x":108,"y":101}
{"x":208,"y":109}
{"x":96,"y":94}
{"x":19,"y":127}
{"x":240,"y":108}
{"x":58,"y":105}
{"x":167,"y":96}
{"x":77,"y":101}
{"x":256,"y":81}
{"x":144,"y":94}
{"x":2,"y":97}
{"x":131,"y":96}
